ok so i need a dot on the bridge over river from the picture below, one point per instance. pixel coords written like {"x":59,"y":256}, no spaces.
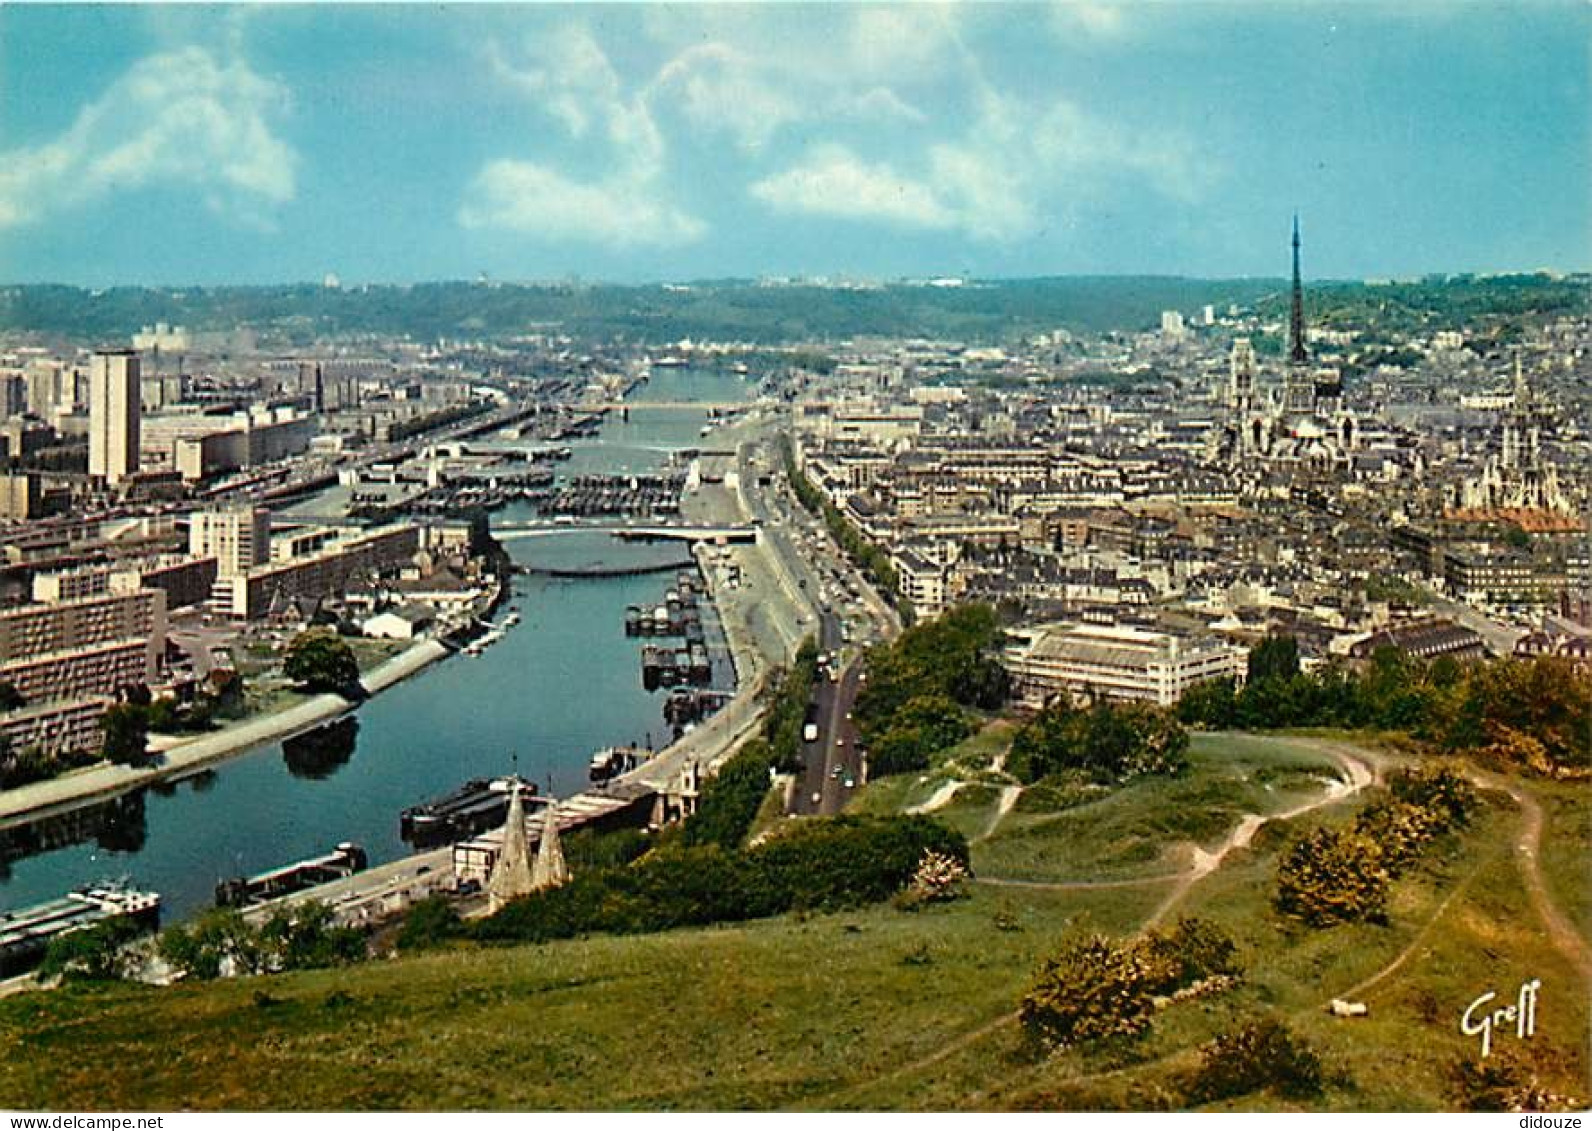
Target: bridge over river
{"x":629,"y":531}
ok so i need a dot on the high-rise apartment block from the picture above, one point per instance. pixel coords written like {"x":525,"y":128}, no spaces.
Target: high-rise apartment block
{"x":114,"y":409}
{"x":239,"y":538}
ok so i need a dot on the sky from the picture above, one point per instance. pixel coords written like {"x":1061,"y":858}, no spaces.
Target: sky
{"x":190,"y":144}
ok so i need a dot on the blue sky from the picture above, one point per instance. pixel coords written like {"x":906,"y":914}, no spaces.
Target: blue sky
{"x":191,"y":144}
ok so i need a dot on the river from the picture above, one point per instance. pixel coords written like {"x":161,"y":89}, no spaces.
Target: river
{"x":563,"y":683}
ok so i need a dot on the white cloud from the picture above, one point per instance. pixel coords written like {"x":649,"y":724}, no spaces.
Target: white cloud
{"x":833,"y":181}
{"x":880,"y":103}
{"x":1102,"y":21}
{"x":521,"y":196}
{"x":570,"y":76}
{"x":993,"y":182}
{"x":718,"y":87}
{"x":180,"y":117}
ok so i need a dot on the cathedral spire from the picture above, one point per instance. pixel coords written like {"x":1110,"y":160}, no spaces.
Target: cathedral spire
{"x":1296,"y":320}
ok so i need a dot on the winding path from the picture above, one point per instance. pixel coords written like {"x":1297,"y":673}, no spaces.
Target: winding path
{"x":1566,"y":939}
{"x":1360,"y":772}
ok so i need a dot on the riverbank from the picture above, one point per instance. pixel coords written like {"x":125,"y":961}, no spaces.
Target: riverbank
{"x":41,"y":799}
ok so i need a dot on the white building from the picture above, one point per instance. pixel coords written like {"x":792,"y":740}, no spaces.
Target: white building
{"x":239,"y":538}
{"x":1117,"y":663}
{"x":114,"y":407}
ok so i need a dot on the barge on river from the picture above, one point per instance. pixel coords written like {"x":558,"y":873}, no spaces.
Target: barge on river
{"x":343,"y":861}
{"x":476,"y":806}
{"x":26,"y":933}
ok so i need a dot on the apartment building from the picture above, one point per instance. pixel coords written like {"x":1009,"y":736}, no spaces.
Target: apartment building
{"x":1116,"y":662}
{"x":330,"y":571}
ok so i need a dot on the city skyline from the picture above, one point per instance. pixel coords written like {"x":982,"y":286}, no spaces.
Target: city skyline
{"x":649,"y":143}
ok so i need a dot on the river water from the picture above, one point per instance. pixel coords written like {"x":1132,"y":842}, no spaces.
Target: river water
{"x":563,"y":683}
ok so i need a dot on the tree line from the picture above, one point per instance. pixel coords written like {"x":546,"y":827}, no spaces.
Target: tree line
{"x":1529,"y":712}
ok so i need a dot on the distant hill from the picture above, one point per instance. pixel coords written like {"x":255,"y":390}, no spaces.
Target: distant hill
{"x":722,"y":310}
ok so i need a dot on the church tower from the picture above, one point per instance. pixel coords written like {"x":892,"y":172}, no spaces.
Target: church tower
{"x":1299,"y":386}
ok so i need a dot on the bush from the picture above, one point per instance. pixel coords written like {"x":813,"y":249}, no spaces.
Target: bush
{"x":431,"y":922}
{"x":1092,"y":989}
{"x":1400,"y":831}
{"x":1440,"y":789}
{"x":1193,"y":951}
{"x":828,"y":863}
{"x":1262,"y":1054}
{"x":93,"y":954}
{"x":1330,"y":876}
{"x":1109,"y":742}
{"x":937,"y":879}
{"x":1096,"y":988}
{"x":1513,"y":1079}
{"x":731,"y":798}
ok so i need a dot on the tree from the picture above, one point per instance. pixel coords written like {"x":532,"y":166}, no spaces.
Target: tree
{"x":322,"y":661}
{"x":1274,"y":657}
{"x":1110,"y":742}
{"x":304,"y":937}
{"x":217,"y":943}
{"x":126,"y":727}
{"x":10,"y":697}
{"x":97,"y":953}
{"x":1210,"y":703}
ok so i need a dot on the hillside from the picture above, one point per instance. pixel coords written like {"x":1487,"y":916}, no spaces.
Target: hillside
{"x":888,"y":1009}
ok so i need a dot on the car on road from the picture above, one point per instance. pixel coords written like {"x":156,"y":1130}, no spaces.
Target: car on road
{"x":817,"y":798}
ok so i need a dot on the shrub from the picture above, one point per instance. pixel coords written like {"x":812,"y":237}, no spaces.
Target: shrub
{"x":828,"y":863}
{"x":93,"y":954}
{"x":1262,"y":1054}
{"x":1512,"y":1079}
{"x":1090,"y":990}
{"x":1194,"y":950}
{"x":1440,"y":789}
{"x":430,"y":922}
{"x":1330,"y":876}
{"x":1400,"y":831}
{"x":937,"y":879}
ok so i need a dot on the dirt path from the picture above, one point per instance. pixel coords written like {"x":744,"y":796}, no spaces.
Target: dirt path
{"x":1360,"y":770}
{"x":1566,"y":939}
{"x":1008,"y":799}
{"x":940,"y":798}
{"x":1080,"y":885}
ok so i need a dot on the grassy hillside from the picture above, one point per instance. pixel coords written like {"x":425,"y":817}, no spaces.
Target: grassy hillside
{"x":875,"y":1009}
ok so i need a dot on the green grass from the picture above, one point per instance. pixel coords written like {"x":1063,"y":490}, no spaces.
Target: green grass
{"x":876,"y":1009}
{"x":969,"y":761}
{"x":1141,"y":829}
{"x":1567,"y":847}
